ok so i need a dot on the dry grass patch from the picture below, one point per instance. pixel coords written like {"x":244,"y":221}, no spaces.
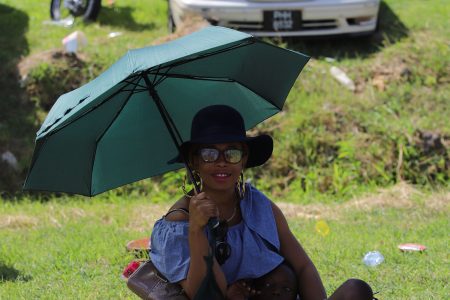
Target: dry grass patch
{"x":190,"y":24}
{"x":438,"y":201}
{"x":144,"y":216}
{"x":53,"y":216}
{"x":400,"y":196}
{"x":17,"y":222}
{"x":310,"y":211}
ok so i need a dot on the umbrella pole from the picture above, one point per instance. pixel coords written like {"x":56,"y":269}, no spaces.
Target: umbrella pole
{"x":174,"y":134}
{"x":209,"y":280}
{"x":176,"y":137}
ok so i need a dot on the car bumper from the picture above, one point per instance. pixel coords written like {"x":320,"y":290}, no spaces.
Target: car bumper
{"x":318,"y":17}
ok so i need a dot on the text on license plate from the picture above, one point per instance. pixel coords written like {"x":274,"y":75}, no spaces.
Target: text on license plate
{"x":282,"y":20}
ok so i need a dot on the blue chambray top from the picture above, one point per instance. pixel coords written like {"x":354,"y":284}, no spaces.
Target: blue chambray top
{"x":254,"y":243}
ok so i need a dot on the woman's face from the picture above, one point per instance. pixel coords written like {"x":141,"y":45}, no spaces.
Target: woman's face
{"x":219,"y":175}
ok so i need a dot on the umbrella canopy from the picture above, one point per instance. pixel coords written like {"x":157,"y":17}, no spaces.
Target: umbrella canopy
{"x":128,"y":123}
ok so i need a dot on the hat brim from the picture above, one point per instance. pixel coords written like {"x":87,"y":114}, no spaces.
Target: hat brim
{"x":259,"y":147}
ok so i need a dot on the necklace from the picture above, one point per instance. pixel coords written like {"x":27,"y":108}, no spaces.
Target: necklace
{"x":232,"y":216}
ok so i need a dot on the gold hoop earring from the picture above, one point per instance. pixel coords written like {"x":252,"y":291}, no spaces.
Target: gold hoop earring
{"x":240,"y":186}
{"x":183,"y":187}
{"x":197,"y":179}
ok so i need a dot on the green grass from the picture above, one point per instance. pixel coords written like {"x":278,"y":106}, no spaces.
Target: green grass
{"x":140,"y":21}
{"x":74,"y":248}
{"x":331,"y":145}
{"x":319,"y":138}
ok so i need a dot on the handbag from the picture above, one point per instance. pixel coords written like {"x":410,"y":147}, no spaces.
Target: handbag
{"x":149,"y":284}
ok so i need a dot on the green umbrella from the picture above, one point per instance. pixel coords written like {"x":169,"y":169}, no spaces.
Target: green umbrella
{"x":127,"y":124}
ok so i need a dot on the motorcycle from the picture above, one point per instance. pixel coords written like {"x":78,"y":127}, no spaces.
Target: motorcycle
{"x":88,"y":9}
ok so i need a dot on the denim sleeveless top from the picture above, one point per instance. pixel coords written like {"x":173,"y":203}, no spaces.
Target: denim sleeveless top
{"x":254,"y":243}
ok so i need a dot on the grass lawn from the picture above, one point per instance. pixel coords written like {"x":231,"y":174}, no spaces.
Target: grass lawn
{"x":334,"y":148}
{"x":75,"y":248}
{"x":401,"y":75}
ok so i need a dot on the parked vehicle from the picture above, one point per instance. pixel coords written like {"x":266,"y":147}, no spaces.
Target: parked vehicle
{"x":88,"y":9}
{"x":282,"y":17}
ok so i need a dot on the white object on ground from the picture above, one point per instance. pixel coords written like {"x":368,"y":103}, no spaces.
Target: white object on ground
{"x":73,"y":41}
{"x":373,"y":258}
{"x":66,"y":22}
{"x":114,"y":34}
{"x":342,"y":78}
{"x":411,"y":247}
{"x":10,"y":159}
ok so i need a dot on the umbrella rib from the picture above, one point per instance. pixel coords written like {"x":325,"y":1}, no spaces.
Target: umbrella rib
{"x":220,"y":79}
{"x":163,"y":77}
{"x":193,"y":77}
{"x":132,"y":83}
{"x":135,"y":91}
{"x":106,"y":130}
{"x":156,"y":71}
{"x":256,"y":93}
{"x":156,"y":75}
{"x":115,"y":117}
{"x":243,"y":43}
{"x":173,"y":131}
{"x":86,"y":112}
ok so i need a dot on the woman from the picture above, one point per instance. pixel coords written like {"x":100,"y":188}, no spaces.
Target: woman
{"x":256,"y":252}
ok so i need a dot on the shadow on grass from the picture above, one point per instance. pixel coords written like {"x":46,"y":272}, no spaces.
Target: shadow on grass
{"x":17,"y":112}
{"x":121,"y":17}
{"x":11,"y":274}
{"x":390,"y":30}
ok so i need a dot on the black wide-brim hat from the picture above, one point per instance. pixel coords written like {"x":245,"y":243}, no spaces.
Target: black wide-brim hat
{"x":218,"y":124}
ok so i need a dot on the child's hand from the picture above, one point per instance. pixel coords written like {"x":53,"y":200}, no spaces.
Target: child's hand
{"x":241,"y":290}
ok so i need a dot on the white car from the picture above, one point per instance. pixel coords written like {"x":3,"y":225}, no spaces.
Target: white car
{"x":282,"y":17}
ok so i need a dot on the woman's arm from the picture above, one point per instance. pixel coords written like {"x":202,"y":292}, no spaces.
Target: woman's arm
{"x":310,"y":285}
{"x":200,"y":210}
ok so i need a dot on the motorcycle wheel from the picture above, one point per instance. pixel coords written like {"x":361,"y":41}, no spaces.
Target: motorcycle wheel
{"x":170,"y":22}
{"x":89,"y":9}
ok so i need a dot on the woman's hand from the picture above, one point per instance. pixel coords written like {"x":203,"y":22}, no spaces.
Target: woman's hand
{"x":201,"y":209}
{"x":241,"y":290}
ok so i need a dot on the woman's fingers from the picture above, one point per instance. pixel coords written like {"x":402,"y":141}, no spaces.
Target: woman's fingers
{"x":202,"y":208}
{"x":205,"y":205}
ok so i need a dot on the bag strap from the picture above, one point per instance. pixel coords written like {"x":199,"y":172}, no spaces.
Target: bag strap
{"x":180,"y":209}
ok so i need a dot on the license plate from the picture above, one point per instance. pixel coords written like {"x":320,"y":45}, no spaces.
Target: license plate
{"x":282,"y":20}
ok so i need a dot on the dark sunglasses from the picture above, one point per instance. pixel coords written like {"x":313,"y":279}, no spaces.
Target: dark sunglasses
{"x":232,"y":156}
{"x":223,"y":249}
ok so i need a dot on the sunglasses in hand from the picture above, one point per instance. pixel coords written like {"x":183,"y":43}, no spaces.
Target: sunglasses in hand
{"x":223,"y":249}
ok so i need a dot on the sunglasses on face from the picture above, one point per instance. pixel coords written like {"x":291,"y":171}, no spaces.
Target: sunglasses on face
{"x":223,"y":249}
{"x":232,"y":156}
